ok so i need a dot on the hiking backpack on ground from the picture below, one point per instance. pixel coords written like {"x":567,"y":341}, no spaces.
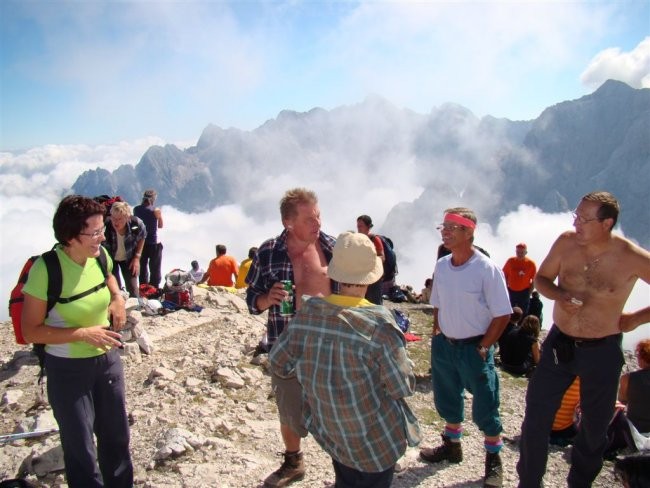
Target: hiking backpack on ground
{"x":390,"y":261}
{"x":54,"y":287}
{"x":178,"y":288}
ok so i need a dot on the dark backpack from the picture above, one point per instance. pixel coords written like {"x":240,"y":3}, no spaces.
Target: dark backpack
{"x":108,"y":202}
{"x":54,"y":286}
{"x":390,"y":261}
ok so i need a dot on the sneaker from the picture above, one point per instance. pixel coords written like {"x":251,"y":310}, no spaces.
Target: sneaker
{"x":493,"y":471}
{"x":448,"y":451}
{"x":292,"y":469}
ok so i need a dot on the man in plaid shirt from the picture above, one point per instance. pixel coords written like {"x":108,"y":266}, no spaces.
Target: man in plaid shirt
{"x":350,"y":359}
{"x":300,"y":254}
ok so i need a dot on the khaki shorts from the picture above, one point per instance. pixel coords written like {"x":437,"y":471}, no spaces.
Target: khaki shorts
{"x":288,"y":397}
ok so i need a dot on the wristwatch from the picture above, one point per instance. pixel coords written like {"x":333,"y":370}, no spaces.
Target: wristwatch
{"x":482,"y":349}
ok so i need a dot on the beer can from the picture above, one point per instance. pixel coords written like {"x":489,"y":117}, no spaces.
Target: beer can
{"x":286,"y":306}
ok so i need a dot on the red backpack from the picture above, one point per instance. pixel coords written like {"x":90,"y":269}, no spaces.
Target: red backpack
{"x":54,"y":286}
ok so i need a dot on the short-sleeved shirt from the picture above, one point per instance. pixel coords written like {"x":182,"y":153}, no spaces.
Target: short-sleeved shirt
{"x":379,"y":246}
{"x":469,"y":296}
{"x":146,"y":214}
{"x":351,"y":361}
{"x":243,"y":272}
{"x":221,"y":269}
{"x":88,"y":311}
{"x":519,"y":273}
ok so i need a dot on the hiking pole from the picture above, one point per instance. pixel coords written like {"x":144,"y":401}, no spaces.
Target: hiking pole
{"x":26,"y":435}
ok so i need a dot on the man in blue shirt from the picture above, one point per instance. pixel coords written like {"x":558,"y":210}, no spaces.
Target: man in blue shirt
{"x":151,"y":259}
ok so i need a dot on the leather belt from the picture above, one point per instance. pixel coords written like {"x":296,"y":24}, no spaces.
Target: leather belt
{"x":466,"y":340}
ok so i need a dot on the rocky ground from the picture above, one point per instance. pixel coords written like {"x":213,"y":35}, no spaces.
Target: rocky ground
{"x":202,"y":414}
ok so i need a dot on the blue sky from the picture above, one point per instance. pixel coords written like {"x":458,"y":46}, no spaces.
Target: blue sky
{"x":94,"y":72}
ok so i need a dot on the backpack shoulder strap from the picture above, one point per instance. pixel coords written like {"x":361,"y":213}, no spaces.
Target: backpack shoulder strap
{"x":102,"y":261}
{"x":54,"y":277}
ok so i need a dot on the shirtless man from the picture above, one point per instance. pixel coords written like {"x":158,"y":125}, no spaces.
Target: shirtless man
{"x":301,"y":254}
{"x":595,"y":273}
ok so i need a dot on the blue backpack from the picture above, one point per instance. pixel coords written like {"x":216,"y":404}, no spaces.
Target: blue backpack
{"x":403,"y":322}
{"x":390,"y":263}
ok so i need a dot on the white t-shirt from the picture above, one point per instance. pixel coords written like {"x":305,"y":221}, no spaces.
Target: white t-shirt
{"x":469,"y":296}
{"x":197,"y":275}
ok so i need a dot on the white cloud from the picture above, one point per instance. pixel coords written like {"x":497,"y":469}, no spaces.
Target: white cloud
{"x":193,"y":236}
{"x":631,"y":67}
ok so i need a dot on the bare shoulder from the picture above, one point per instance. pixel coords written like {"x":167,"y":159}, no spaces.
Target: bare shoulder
{"x":564,"y":243}
{"x":637,"y":257}
{"x":628,"y":247}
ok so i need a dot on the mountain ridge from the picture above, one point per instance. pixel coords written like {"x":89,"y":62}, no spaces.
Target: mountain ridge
{"x":598,"y":141}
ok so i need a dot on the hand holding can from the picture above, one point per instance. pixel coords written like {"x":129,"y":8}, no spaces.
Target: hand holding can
{"x":286,"y":306}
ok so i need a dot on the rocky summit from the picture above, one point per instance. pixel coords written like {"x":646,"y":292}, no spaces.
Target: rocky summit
{"x":203,"y":415}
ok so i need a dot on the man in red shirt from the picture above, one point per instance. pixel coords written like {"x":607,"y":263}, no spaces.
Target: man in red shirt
{"x":520,"y":272}
{"x":221,"y":269}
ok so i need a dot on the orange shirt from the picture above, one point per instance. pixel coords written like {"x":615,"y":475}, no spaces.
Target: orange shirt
{"x":221,"y":270}
{"x":519,"y":273}
{"x":564,"y":416}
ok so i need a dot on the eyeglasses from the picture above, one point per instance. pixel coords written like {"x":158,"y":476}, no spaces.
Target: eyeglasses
{"x":583,"y":220}
{"x":95,"y":235}
{"x":450,"y":227}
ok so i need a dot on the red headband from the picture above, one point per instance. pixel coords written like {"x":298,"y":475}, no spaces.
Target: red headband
{"x":459,"y":219}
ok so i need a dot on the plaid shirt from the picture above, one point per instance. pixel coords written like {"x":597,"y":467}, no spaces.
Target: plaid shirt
{"x":136,"y":231}
{"x":270,"y":265}
{"x":355,"y":372}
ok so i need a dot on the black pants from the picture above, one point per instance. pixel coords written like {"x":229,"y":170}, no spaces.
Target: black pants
{"x":520,"y":299}
{"x":150,"y":264}
{"x":87,"y":397}
{"x":347,"y":477}
{"x":130,"y":280}
{"x":599,"y":367}
{"x":374,"y":292}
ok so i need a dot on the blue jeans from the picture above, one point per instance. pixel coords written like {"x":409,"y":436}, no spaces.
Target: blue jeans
{"x":599,"y":367}
{"x":87,"y":397}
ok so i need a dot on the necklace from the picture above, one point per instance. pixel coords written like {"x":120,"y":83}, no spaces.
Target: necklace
{"x":592,"y":263}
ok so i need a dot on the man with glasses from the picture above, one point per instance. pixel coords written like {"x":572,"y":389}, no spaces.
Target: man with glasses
{"x":595,"y":272}
{"x":471,"y":310}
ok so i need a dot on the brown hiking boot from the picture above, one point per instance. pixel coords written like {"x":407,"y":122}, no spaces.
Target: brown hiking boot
{"x":448,"y":451}
{"x":292,"y":469}
{"x":493,"y":471}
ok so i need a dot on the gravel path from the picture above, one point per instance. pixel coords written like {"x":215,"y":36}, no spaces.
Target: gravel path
{"x":238,"y":425}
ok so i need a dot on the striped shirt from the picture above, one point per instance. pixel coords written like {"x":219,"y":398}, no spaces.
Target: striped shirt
{"x":352,"y":364}
{"x":270,"y":265}
{"x":566,"y":414}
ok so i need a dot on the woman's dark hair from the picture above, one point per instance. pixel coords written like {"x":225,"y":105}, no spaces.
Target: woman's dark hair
{"x":71,"y":215}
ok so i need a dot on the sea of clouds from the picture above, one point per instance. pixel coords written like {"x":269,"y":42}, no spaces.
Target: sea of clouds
{"x":33,"y":182}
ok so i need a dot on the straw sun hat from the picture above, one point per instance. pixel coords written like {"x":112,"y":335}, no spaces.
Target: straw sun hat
{"x":355,"y":260}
